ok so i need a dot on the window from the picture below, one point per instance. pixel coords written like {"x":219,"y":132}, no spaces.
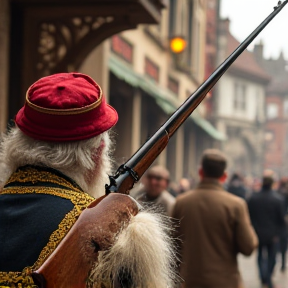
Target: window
{"x":285,"y":108}
{"x":190,"y":31}
{"x":196,"y":52}
{"x":272,"y":111}
{"x":172,"y":18}
{"x":173,"y":85}
{"x":151,"y":69}
{"x":122,"y":48}
{"x":286,"y":141}
{"x":239,"y":97}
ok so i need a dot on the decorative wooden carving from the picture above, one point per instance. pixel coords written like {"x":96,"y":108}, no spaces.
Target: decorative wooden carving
{"x":57,"y":38}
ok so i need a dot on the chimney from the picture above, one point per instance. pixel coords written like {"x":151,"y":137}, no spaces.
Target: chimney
{"x":224,"y":26}
{"x":258,"y":52}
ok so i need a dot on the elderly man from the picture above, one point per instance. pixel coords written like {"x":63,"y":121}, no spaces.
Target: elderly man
{"x":54,"y":163}
{"x":154,"y":193}
{"x":214,"y":228}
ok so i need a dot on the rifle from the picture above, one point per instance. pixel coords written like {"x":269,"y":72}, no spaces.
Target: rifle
{"x":97,"y":235}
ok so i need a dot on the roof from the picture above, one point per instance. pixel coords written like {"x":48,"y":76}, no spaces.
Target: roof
{"x":246,"y":62}
{"x":277,"y":68}
{"x":278,"y":86}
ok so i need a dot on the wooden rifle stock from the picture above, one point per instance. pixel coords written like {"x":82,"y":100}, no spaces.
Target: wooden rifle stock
{"x":95,"y":230}
{"x":69,"y":265}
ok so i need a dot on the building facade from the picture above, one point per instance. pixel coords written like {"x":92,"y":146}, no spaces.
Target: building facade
{"x":276,"y":134}
{"x":139,"y":74}
{"x":148,"y":82}
{"x":239,"y":109}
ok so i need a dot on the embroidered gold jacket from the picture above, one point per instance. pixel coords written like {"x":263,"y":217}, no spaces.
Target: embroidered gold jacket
{"x":38,"y":206}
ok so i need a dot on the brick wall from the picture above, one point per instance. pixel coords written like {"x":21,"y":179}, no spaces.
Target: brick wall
{"x":276,"y":132}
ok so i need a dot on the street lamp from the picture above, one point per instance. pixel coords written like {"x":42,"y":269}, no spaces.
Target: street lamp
{"x":177,"y":44}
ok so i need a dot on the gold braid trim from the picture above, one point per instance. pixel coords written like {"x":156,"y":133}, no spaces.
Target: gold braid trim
{"x":32,"y":175}
{"x":17,"y":279}
{"x":80,"y":201}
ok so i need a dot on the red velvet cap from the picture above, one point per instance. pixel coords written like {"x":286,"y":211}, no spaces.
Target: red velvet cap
{"x":65,"y":107}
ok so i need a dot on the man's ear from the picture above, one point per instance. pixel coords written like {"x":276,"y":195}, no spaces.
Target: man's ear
{"x":223,"y":178}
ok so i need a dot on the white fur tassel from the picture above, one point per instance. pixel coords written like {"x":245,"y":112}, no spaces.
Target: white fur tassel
{"x":144,"y":250}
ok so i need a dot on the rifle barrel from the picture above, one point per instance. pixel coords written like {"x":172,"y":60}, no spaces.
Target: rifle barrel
{"x":130,"y":172}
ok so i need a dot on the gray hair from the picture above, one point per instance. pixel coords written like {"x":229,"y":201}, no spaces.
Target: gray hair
{"x":87,"y":161}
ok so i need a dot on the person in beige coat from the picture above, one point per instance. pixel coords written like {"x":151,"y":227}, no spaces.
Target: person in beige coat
{"x":214,"y":227}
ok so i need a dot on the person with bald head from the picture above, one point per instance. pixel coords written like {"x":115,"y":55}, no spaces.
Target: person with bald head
{"x":154,"y":191}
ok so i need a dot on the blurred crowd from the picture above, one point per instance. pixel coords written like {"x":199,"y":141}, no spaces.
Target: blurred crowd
{"x":264,"y":199}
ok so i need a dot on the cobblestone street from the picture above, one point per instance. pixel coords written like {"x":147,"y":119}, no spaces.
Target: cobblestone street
{"x":249,"y":272}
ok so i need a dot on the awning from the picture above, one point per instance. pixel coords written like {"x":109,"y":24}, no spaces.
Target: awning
{"x":207,"y":126}
{"x":163,"y":97}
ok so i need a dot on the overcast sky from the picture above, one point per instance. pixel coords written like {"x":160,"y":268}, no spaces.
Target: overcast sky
{"x":246,"y":15}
